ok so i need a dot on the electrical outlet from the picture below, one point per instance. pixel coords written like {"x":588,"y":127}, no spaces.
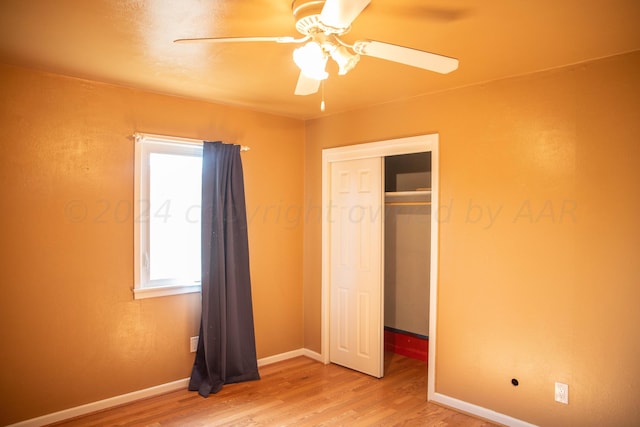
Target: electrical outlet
{"x":193,"y":344}
{"x":562,"y":393}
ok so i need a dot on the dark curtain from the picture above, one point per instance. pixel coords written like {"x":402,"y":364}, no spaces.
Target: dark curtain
{"x":226,"y":349}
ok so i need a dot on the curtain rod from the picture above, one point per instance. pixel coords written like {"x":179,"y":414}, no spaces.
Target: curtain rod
{"x":140,"y":135}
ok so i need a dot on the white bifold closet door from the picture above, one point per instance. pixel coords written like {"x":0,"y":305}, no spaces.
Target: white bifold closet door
{"x":356,"y":258}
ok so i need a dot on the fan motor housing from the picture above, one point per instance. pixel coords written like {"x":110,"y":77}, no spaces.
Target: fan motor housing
{"x":304,"y":8}
{"x":307,"y":16}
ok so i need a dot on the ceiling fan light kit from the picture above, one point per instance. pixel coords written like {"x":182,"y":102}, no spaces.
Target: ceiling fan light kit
{"x":345,"y":59}
{"x":322,"y":23}
{"x":311,"y":60}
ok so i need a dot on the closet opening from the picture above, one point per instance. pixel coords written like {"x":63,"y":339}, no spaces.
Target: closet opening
{"x":361,"y":184}
{"x":407,"y":254}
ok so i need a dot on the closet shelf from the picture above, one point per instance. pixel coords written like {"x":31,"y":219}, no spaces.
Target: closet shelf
{"x":408,"y":193}
{"x":407,"y":198}
{"x":407,"y":203}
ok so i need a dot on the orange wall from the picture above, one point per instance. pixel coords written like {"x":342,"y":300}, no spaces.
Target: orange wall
{"x":71,"y":332}
{"x":544,"y":290}
{"x":539,"y":237}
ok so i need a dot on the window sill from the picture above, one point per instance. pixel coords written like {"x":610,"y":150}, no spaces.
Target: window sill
{"x":162,"y":291}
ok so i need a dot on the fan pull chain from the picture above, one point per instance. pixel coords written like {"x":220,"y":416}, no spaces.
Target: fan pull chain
{"x":322,"y":91}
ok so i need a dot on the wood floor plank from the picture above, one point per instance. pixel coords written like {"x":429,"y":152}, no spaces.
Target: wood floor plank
{"x":297,"y":392}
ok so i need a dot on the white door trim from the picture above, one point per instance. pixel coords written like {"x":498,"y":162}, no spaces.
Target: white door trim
{"x":414,"y":144}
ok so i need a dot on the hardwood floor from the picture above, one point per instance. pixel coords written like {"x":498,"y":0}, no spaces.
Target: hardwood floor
{"x":297,"y":392}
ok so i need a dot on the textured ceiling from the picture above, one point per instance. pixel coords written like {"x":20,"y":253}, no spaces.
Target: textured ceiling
{"x":130,"y":42}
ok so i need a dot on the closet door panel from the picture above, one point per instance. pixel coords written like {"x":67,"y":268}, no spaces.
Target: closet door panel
{"x":356,"y":265}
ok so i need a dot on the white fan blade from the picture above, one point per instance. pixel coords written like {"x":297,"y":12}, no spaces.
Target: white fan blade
{"x":242,"y":39}
{"x":306,"y":85}
{"x":341,"y":13}
{"x":406,"y":55}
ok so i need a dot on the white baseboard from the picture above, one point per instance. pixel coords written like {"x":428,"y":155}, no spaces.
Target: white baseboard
{"x":102,"y":404}
{"x":479,"y":411}
{"x":141,"y":394}
{"x":183,"y":383}
{"x":280,"y":357}
{"x":313,"y":355}
{"x":290,"y":355}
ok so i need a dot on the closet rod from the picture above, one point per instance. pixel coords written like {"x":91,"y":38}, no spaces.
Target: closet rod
{"x":408,"y":203}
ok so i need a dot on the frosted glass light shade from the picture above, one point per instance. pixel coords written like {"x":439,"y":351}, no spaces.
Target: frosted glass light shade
{"x":345,"y":59}
{"x":311,"y":60}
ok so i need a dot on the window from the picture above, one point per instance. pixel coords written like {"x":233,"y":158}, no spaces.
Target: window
{"x":168,"y":191}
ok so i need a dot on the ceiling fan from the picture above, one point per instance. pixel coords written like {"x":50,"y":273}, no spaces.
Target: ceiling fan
{"x":322,"y":23}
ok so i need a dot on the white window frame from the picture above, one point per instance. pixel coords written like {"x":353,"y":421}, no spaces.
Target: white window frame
{"x":145,"y":144}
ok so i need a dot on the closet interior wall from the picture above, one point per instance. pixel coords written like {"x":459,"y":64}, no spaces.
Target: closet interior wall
{"x":407,"y":252}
